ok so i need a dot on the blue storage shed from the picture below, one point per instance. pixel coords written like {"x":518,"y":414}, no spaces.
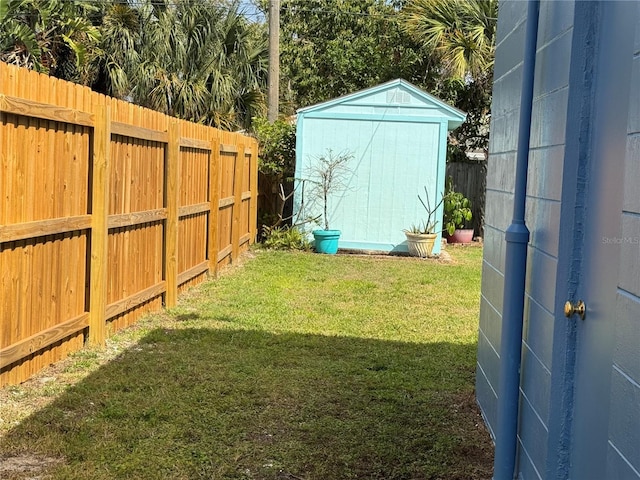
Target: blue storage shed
{"x":559,"y":386}
{"x":397,"y":135}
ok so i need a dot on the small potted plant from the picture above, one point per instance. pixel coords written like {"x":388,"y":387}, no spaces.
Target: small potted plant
{"x":457,"y":214}
{"x":422,"y":237}
{"x":330,"y":176}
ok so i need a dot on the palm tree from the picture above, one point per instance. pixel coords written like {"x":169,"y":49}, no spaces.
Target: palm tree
{"x":198,"y":60}
{"x":53,"y":36}
{"x":460,"y":32}
{"x":201,"y":61}
{"x":117,"y":56}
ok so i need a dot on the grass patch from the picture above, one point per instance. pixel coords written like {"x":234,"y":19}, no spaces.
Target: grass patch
{"x":297,"y":366}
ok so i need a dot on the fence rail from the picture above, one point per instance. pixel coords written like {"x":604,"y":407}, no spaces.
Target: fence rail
{"x":108,"y":210}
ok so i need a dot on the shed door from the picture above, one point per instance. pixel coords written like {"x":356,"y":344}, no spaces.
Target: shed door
{"x":598,"y":206}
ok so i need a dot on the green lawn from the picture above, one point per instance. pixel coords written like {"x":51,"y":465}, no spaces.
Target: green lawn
{"x":295,"y":366}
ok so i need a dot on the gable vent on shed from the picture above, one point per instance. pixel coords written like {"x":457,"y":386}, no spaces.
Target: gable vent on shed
{"x":398,"y":96}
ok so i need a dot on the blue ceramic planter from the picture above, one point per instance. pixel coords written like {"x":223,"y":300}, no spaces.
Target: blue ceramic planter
{"x":326,"y":241}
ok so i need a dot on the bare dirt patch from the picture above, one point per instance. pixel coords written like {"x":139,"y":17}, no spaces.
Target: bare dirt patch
{"x":26,"y":466}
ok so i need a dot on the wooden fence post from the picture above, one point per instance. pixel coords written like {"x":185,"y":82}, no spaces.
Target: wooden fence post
{"x":238,"y":177}
{"x":172,"y":169}
{"x":99,"y":225}
{"x":253,"y":186}
{"x":214,"y":202}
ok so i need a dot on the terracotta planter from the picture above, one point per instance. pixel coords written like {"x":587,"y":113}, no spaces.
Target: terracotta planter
{"x":420,"y":244}
{"x":463,"y":235}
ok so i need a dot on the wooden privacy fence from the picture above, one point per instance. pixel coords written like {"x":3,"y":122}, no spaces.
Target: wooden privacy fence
{"x":108,"y":210}
{"x":470,"y":178}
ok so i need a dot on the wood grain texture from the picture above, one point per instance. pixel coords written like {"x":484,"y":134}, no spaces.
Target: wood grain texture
{"x":245,"y":238}
{"x":193,"y":272}
{"x":128,"y":130}
{"x":224,"y":253}
{"x":171,"y":230}
{"x":193,"y":209}
{"x":42,"y":340}
{"x":136,"y":218}
{"x":99,"y":226}
{"x":45,"y":111}
{"x":195,"y":143}
{"x":134,"y":300}
{"x":41,"y":228}
{"x":214,"y":202}
{"x":237,"y":191}
{"x":229,"y":148}
{"x":226,"y":202}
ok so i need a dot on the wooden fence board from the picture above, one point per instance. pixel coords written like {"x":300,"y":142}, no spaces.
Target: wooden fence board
{"x":83,"y":171}
{"x":193,"y":272}
{"x":195,"y":143}
{"x":41,"y":228}
{"x":237,"y":207}
{"x":226,"y":202}
{"x":128,"y":130}
{"x":171,"y":231}
{"x":42,"y":339}
{"x":214,"y":202}
{"x":99,"y":227}
{"x":134,"y":300}
{"x":136,"y":218}
{"x":29,"y":108}
{"x":194,"y":209}
{"x":229,"y":148}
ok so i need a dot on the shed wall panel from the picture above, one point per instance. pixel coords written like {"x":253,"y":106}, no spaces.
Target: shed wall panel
{"x":623,"y":459}
{"x":392,"y":163}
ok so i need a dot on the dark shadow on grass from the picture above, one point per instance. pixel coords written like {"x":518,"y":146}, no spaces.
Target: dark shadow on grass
{"x":239,"y":404}
{"x":187,"y":317}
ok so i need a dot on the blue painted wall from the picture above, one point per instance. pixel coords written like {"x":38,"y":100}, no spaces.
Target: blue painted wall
{"x":557,"y":138}
{"x":397,"y":136}
{"x":623,"y":456}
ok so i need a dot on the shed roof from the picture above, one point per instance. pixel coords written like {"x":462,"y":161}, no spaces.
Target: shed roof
{"x":396,"y":94}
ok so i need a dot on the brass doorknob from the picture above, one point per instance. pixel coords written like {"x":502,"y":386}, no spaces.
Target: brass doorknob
{"x":579,"y":307}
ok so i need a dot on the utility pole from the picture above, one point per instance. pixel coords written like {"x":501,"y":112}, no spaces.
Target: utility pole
{"x":274,"y":60}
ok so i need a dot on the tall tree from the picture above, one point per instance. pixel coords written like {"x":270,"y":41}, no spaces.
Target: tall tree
{"x":334,"y":47}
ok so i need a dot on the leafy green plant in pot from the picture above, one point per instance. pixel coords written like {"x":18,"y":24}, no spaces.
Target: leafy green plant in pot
{"x":330,"y":175}
{"x":421,"y":237}
{"x":457,"y":214}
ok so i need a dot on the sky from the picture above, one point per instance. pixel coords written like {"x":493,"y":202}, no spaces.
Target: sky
{"x":251,"y":11}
